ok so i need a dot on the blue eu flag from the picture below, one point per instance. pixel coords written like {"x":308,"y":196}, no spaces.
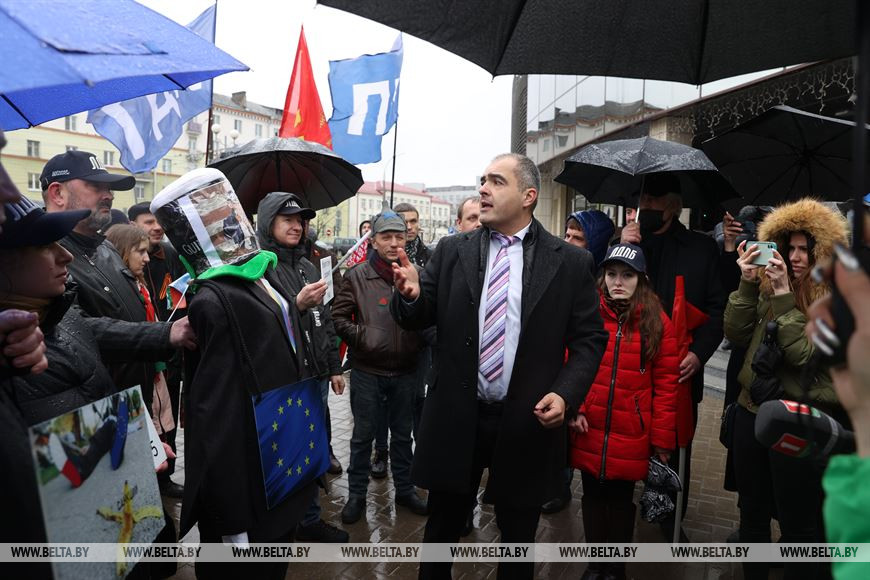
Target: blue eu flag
{"x":292,"y":435}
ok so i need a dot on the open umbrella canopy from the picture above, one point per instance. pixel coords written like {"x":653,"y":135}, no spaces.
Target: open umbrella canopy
{"x":60,"y":59}
{"x":786,"y":154}
{"x":309,"y":169}
{"x":689,"y":41}
{"x":614,"y":171}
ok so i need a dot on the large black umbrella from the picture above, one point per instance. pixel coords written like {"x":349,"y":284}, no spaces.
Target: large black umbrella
{"x":785,"y":154}
{"x":309,"y":169}
{"x":614,"y":171}
{"x":689,"y":41}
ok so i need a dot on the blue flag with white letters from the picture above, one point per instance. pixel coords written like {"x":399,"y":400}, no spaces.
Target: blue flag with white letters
{"x":365,"y":102}
{"x":144,"y":129}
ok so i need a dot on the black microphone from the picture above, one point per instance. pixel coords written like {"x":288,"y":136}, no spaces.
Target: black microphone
{"x":798,"y":430}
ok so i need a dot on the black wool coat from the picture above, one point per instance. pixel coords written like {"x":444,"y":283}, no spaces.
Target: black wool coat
{"x":695,"y":256}
{"x":559,"y":312}
{"x":223,"y":487}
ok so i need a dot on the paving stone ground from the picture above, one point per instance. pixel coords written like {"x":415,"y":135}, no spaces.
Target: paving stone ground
{"x":711,"y":516}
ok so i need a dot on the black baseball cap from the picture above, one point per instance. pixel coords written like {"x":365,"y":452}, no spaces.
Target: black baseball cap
{"x":627,"y":254}
{"x":293,"y":206}
{"x":27,"y":224}
{"x":82,"y":165}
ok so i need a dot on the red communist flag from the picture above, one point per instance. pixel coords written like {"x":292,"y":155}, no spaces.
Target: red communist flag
{"x":686,"y":318}
{"x":303,"y":113}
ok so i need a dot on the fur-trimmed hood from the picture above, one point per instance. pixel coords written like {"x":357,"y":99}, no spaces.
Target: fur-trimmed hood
{"x":825,"y":225}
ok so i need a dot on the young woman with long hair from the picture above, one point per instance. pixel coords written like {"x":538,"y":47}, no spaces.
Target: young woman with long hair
{"x":781,"y":291}
{"x":629,"y":413}
{"x":132,"y":243}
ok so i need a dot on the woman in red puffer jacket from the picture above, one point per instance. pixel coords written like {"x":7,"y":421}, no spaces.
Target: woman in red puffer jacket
{"x":630,"y":410}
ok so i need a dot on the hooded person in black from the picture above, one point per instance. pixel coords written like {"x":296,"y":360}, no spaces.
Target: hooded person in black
{"x":282,"y":224}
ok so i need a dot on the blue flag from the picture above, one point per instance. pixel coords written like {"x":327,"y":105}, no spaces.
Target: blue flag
{"x":144,"y":129}
{"x":365,"y":102}
{"x":291,"y":430}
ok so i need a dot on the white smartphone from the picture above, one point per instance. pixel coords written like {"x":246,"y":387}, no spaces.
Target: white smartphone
{"x":766,"y":252}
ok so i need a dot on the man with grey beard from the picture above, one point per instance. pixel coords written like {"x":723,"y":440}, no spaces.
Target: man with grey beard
{"x":107,"y":293}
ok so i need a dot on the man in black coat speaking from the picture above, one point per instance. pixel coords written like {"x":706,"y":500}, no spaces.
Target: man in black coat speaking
{"x":508,"y":300}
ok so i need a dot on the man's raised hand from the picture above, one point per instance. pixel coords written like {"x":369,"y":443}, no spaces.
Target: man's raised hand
{"x":405,"y":276}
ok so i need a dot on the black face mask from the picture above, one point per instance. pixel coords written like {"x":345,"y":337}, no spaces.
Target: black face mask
{"x":650,"y":220}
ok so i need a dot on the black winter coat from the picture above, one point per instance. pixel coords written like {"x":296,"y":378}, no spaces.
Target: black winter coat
{"x":294,"y":271}
{"x":696,"y":257}
{"x":75,"y":375}
{"x":559,"y":312}
{"x":223,"y":487}
{"x":114,"y":311}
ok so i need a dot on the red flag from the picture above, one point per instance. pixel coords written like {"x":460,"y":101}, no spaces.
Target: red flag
{"x":685,"y":318}
{"x":303,"y":113}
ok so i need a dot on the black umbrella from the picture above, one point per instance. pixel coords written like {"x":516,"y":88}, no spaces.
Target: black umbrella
{"x":785,"y":154}
{"x":306,"y":168}
{"x":614,"y":171}
{"x":689,"y":41}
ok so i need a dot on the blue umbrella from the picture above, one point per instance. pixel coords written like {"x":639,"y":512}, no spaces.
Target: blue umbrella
{"x":65,"y":58}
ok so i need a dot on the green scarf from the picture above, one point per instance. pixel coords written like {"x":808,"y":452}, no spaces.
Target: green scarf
{"x":252,"y":269}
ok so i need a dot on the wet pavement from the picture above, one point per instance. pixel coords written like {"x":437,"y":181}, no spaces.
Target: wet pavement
{"x":711,"y":516}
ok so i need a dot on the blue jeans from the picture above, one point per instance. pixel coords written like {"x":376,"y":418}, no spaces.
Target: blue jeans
{"x":423,"y":376}
{"x":312,"y":516}
{"x":367,"y":391}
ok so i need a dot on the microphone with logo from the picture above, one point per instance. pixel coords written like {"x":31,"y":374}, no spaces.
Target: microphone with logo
{"x":799,"y":430}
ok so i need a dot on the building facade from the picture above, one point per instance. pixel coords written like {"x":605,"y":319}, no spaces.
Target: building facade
{"x":559,"y":114}
{"x":343,"y":220}
{"x":235,"y":121}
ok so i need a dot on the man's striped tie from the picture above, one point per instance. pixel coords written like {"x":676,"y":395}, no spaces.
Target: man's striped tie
{"x":495,"y":320}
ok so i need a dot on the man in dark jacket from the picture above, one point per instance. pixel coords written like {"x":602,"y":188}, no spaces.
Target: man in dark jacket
{"x":163,"y":267}
{"x":114,"y":310}
{"x":281,"y":225}
{"x":671,"y":250}
{"x":384,"y":363}
{"x":508,"y":300}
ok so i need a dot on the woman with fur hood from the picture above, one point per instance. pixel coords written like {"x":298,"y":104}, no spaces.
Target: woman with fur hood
{"x":768,"y":482}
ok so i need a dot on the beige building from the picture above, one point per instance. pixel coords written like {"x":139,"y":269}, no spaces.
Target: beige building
{"x":343,"y":220}
{"x":235,"y":121}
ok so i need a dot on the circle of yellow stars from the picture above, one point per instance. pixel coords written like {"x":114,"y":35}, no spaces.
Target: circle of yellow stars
{"x":280,"y":462}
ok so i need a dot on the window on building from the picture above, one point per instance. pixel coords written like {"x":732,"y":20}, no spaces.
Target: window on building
{"x":258,"y":130}
{"x":563,"y":140}
{"x":167,"y":166}
{"x":216,"y":119}
{"x":139,"y":192}
{"x":70,"y":123}
{"x":191,"y":145}
{"x":546,"y":145}
{"x":108,"y":158}
{"x":72,"y":148}
{"x":237,"y":125}
{"x":33,"y":148}
{"x":33,"y":182}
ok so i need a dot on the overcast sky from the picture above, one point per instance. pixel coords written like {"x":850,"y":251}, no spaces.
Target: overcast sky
{"x":453,"y":116}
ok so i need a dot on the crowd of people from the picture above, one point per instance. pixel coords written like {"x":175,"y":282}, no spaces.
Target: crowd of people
{"x":506,"y":350}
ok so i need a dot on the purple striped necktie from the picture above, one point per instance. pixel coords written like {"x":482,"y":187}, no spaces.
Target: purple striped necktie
{"x":495,"y":319}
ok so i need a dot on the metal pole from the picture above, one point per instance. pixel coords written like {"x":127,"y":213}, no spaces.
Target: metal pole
{"x":678,"y":511}
{"x":393,"y":178}
{"x":209,"y":154}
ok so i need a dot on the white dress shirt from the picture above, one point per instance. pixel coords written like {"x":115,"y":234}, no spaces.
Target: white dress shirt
{"x":497,"y":389}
